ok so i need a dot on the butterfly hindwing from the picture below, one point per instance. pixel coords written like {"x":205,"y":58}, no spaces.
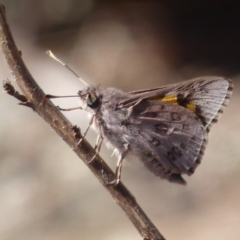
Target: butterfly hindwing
{"x":171,"y":139}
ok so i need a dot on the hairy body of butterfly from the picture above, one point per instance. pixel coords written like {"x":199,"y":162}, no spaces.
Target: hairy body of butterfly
{"x":166,"y":127}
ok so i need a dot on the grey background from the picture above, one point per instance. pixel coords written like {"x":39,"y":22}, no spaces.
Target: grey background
{"x":46,"y":192}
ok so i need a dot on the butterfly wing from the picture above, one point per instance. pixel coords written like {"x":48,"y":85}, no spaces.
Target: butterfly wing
{"x":205,"y":96}
{"x":170,"y":124}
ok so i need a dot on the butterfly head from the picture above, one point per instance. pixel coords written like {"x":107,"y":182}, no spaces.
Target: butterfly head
{"x":90,"y":98}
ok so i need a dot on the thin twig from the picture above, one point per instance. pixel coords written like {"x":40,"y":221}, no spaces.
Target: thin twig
{"x":71,"y":134}
{"x":9,"y":89}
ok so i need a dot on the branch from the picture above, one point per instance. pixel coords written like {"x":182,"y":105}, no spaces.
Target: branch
{"x":33,"y":96}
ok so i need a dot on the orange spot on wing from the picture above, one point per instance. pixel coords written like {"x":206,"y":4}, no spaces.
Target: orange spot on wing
{"x":191,"y":107}
{"x":170,"y":99}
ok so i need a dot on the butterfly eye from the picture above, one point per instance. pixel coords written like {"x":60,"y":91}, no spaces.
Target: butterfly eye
{"x":92,"y":101}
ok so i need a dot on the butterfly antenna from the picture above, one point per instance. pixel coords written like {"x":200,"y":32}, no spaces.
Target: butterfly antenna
{"x":50,"y":54}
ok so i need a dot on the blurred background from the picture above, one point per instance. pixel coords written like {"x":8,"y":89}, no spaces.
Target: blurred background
{"x":46,"y":192}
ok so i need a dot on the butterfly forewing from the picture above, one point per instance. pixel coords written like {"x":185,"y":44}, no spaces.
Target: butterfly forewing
{"x":205,"y":96}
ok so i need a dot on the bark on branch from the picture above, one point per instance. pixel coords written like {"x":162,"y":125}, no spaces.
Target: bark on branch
{"x":33,"y":96}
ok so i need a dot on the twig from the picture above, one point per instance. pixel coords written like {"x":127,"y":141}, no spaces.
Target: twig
{"x":33,"y":95}
{"x":8,"y":87}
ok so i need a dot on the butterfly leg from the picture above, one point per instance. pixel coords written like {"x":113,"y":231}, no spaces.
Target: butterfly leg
{"x":68,"y":109}
{"x":97,"y":147}
{"x":88,"y":127}
{"x":100,"y":138}
{"x":119,"y":165}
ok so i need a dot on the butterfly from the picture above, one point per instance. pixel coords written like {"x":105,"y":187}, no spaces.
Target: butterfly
{"x":166,"y":128}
